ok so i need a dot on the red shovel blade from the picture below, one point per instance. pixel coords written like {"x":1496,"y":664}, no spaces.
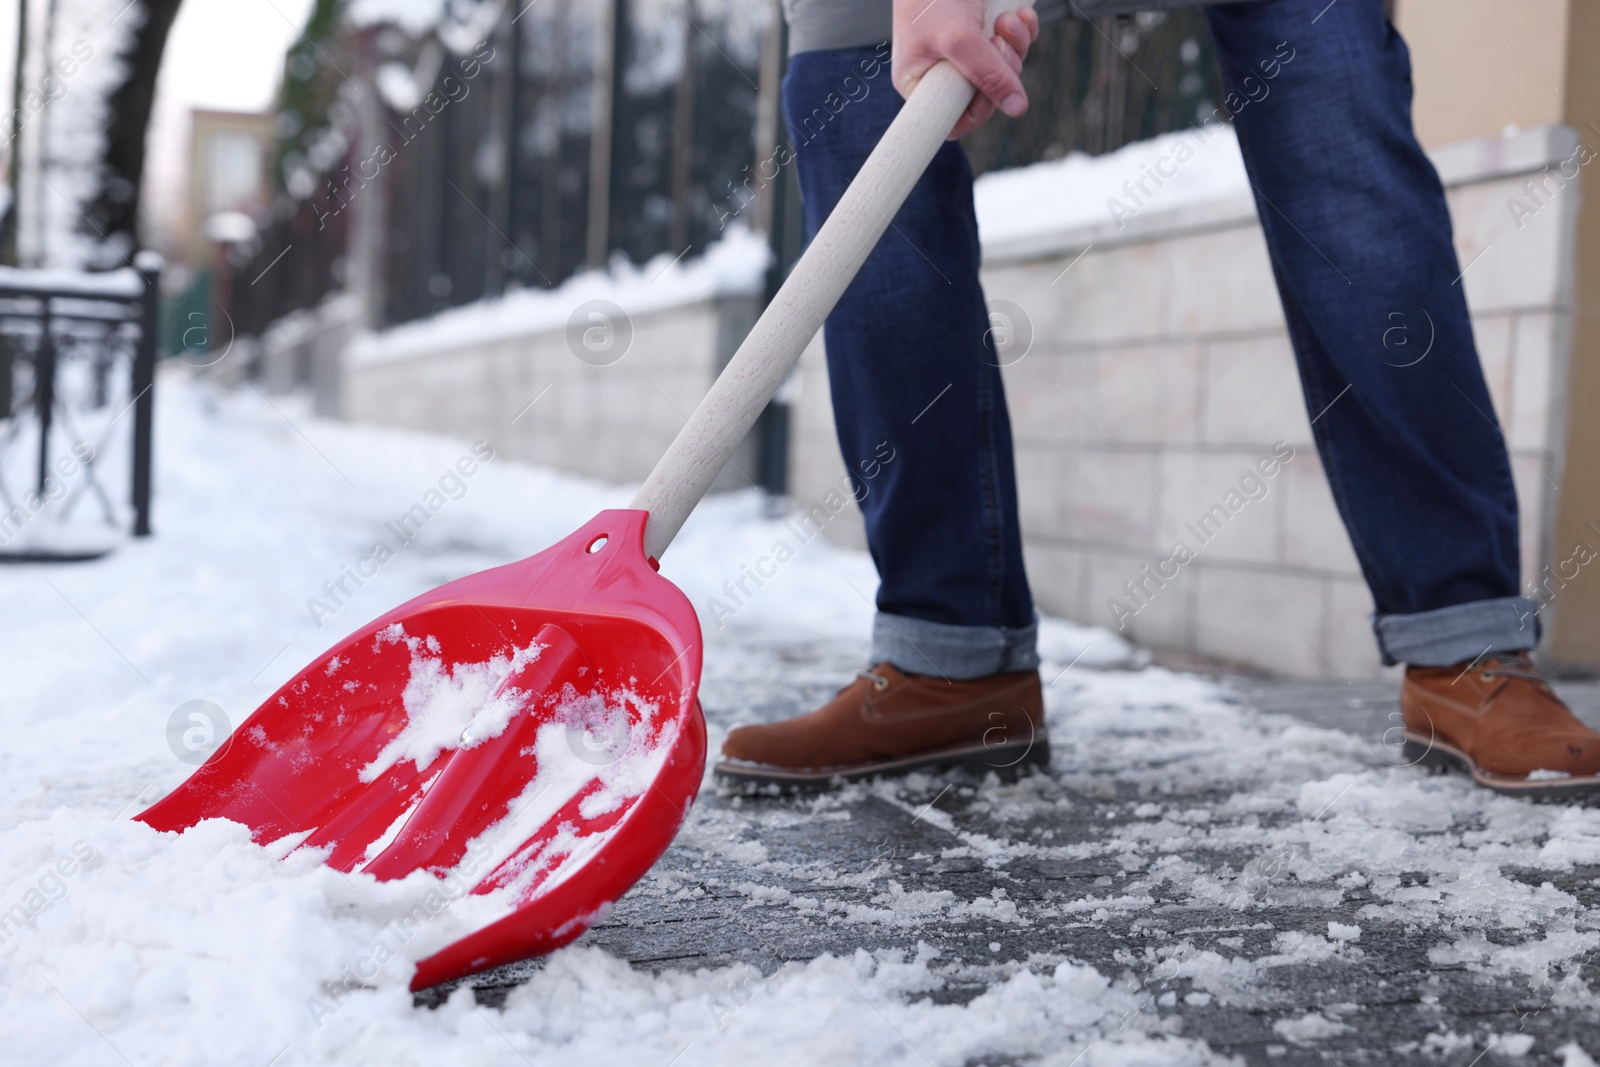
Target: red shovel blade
{"x":536,"y":721}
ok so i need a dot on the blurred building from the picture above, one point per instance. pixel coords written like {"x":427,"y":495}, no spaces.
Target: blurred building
{"x":228,"y":194}
{"x":229,"y":179}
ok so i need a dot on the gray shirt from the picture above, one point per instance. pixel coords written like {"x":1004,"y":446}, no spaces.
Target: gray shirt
{"x":815,"y":25}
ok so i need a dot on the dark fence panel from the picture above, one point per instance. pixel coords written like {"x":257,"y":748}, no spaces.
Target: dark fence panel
{"x":292,"y":263}
{"x":1096,"y":85}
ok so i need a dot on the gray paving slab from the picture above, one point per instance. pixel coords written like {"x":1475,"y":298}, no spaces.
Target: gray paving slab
{"x":772,"y":880}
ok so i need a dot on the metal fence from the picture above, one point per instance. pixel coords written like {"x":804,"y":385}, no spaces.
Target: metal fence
{"x":77,"y":378}
{"x":476,"y":151}
{"x":478,"y":157}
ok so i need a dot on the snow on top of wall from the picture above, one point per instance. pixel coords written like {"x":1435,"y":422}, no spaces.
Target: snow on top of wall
{"x":416,"y":17}
{"x":735,"y":265}
{"x":121,"y":284}
{"x":460,"y":27}
{"x":1077,"y":191}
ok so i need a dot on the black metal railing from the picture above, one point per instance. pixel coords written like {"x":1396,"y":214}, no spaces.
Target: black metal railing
{"x":77,"y":359}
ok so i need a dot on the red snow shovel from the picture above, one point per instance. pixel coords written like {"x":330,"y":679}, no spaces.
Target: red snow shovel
{"x":531,"y":733}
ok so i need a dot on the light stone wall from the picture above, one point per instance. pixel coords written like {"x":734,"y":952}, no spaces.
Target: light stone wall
{"x":1160,"y":371}
{"x":536,"y":401}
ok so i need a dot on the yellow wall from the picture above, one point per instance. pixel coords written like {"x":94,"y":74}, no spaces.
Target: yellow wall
{"x":1575,"y":626}
{"x":1481,"y":65}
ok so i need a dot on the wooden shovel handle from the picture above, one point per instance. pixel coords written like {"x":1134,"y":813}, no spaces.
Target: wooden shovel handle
{"x":796,"y":313}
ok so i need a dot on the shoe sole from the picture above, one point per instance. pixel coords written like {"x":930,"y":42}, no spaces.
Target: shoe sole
{"x":1439,"y":755}
{"x":1007,"y":761}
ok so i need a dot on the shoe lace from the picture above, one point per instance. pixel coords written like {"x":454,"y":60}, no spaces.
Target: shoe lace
{"x":879,"y":682}
{"x":1512,"y":667}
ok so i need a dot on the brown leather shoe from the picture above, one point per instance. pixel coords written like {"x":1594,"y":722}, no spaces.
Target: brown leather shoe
{"x":887,"y":722}
{"x":1499,"y":720}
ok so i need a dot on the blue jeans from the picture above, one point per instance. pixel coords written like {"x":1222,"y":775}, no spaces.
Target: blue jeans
{"x":1356,"y":227}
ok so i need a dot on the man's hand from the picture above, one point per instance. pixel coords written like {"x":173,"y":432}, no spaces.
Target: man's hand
{"x":926,"y":31}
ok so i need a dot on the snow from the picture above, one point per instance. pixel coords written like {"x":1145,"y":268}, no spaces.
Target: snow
{"x":398,"y":87}
{"x":1081,"y":191}
{"x":416,"y":17}
{"x":121,"y":284}
{"x":448,"y":704}
{"x":633,"y":750}
{"x":1513,"y":1045}
{"x":1090,"y":647}
{"x":734,"y":265}
{"x":1573,"y":1055}
{"x":233,"y":227}
{"x":205,"y":948}
{"x":1309,"y":1028}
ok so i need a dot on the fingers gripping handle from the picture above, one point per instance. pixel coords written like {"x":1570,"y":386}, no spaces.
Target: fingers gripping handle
{"x":797,"y":312}
{"x":993,"y":9}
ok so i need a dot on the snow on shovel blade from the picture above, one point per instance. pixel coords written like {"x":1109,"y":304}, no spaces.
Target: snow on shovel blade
{"x":537,"y":722}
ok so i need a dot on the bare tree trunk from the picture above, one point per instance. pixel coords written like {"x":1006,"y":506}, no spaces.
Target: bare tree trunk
{"x":114,"y":211}
{"x":8,"y":237}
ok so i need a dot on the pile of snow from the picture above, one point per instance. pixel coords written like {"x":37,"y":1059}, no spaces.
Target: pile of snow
{"x":1063,"y":645}
{"x":735,"y":265}
{"x":203,"y":948}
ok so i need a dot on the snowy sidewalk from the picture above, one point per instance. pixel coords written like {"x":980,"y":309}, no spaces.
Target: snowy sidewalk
{"x":1210,"y":871}
{"x":1289,"y":904}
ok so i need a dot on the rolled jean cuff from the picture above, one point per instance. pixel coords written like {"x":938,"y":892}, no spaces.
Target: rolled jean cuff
{"x":1461,"y":632}
{"x":918,"y":646}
